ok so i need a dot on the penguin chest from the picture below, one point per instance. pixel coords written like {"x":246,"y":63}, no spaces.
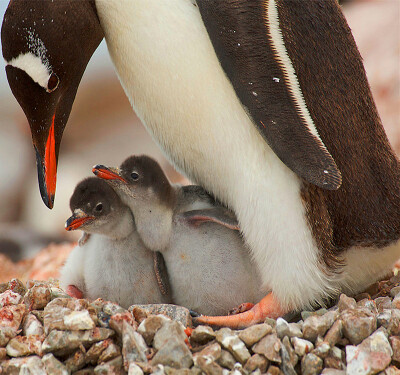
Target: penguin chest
{"x":169,"y":70}
{"x":119,"y":271}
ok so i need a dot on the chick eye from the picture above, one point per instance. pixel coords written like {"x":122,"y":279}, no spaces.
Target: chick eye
{"x":134,"y":176}
{"x":99,"y":207}
{"x":52,"y":83}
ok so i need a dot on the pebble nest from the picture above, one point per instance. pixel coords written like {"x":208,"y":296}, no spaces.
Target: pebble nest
{"x":44,"y":331}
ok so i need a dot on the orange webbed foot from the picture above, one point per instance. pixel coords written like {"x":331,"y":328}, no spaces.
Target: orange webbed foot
{"x":268,"y":307}
{"x":74,"y":292}
{"x":243,"y":307}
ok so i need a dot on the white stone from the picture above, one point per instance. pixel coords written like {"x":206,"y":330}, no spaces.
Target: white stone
{"x":34,"y":366}
{"x":230,"y":341}
{"x":9,"y":298}
{"x":32,"y":326}
{"x":301,"y":346}
{"x":283,"y":328}
{"x":158,"y":370}
{"x":134,"y":369}
{"x":79,"y":320}
{"x":371,"y":356}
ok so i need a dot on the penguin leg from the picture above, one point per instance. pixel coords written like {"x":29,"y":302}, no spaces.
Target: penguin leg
{"x":74,"y":292}
{"x":268,"y":307}
{"x":243,"y":307}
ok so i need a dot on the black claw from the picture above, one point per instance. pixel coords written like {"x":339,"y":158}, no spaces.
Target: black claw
{"x":194,"y":314}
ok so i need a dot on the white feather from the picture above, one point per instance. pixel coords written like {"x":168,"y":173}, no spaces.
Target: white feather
{"x":33,"y":66}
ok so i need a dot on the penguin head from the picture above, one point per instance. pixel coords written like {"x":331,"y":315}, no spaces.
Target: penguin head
{"x":139,"y":178}
{"x":96,"y":208}
{"x":46,"y":46}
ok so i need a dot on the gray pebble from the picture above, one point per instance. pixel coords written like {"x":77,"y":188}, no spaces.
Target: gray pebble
{"x":174,"y":353}
{"x":395,"y":291}
{"x":371,"y":356}
{"x":134,"y":347}
{"x":311,"y":365}
{"x":150,"y":326}
{"x":358,"y":324}
{"x":346,"y":303}
{"x":256,"y":361}
{"x":270,"y":347}
{"x":231,"y":342}
{"x":202,"y":334}
{"x":383,"y":303}
{"x":283,"y":328}
{"x":227,"y":360}
{"x":301,"y":346}
{"x":316,"y":325}
{"x":255,"y":333}
{"x":169,"y":329}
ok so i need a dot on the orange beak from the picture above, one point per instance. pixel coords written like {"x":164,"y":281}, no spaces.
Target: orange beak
{"x":106,"y":173}
{"x":50,"y":165}
{"x":47,"y":169}
{"x":75,"y":222}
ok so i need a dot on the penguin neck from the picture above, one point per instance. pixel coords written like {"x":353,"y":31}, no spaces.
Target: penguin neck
{"x":153,"y":223}
{"x":119,"y":228}
{"x":123,"y":227}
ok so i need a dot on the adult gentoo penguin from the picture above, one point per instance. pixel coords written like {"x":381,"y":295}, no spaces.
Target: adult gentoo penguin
{"x":265,"y":103}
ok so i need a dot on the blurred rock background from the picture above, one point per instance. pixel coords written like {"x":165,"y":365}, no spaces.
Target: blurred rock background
{"x":103,"y":129}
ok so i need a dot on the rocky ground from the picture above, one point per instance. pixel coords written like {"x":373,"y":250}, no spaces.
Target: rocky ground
{"x":43,"y":331}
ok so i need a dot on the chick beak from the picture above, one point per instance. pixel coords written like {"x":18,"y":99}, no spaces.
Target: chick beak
{"x":106,"y":173}
{"x":77,"y":220}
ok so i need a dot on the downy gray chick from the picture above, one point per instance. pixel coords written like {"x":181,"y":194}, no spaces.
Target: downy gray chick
{"x":111,"y":262}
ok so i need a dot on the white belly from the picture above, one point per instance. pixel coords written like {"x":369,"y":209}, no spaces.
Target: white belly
{"x":209,"y":269}
{"x":169,"y":70}
{"x":120,"y":271}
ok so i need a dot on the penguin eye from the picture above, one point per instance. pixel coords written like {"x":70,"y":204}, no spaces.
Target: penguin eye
{"x":135,"y":176}
{"x":99,"y":207}
{"x":52,"y":83}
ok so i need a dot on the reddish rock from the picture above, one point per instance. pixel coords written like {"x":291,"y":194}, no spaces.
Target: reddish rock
{"x":10,"y":320}
{"x":358,"y":324}
{"x":371,"y":356}
{"x":395,"y":343}
{"x":37,"y":297}
{"x":346,"y":303}
{"x":25,"y":345}
{"x":9,"y":298}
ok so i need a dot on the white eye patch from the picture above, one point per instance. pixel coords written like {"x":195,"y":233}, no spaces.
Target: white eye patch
{"x":35,"y":62}
{"x":33,"y":66}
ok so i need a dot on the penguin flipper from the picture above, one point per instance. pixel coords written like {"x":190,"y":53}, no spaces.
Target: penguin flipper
{"x":161,"y":272}
{"x":248,"y":41}
{"x":220,"y":215}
